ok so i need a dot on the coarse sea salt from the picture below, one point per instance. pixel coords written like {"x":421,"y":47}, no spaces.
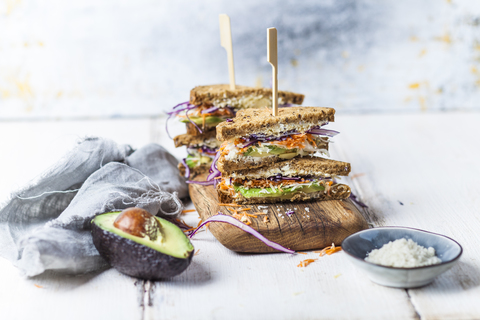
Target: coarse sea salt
{"x":403,"y":253}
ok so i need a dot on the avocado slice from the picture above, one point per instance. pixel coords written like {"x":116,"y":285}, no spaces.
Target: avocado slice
{"x":209,"y":120}
{"x":141,"y":245}
{"x":270,"y":192}
{"x":274,"y":150}
{"x":194,"y":161}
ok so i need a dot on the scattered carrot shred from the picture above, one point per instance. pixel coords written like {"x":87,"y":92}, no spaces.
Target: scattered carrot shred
{"x":329,"y":250}
{"x":38,"y":286}
{"x":186,"y":211}
{"x":229,"y":205}
{"x":332,"y":251}
{"x":245,"y":209}
{"x":197,"y":252}
{"x":301,"y":252}
{"x":266,"y":219}
{"x":192,"y":228}
{"x":260,"y":213}
{"x":306,"y":262}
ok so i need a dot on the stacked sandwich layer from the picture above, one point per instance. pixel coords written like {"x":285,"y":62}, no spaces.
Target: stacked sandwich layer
{"x":209,"y":106}
{"x":267,"y":159}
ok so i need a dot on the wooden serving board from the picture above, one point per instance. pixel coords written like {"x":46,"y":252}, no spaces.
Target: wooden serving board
{"x":323,"y":223}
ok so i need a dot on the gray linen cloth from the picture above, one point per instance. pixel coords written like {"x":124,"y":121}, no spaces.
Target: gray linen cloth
{"x":46,"y":225}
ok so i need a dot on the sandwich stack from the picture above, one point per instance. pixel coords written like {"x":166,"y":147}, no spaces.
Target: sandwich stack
{"x":267,"y":159}
{"x":211,"y":105}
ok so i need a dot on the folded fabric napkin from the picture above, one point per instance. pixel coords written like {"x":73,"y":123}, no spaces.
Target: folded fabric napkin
{"x":46,"y":225}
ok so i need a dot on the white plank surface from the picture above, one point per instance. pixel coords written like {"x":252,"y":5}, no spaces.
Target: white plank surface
{"x":428,"y":162}
{"x":222,"y":284}
{"x":431,"y":164}
{"x":27,"y":149}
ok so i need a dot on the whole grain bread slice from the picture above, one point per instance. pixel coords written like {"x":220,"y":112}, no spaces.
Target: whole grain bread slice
{"x":193,"y":171}
{"x":255,"y":121}
{"x":206,"y":95}
{"x":337,"y":192}
{"x":315,"y":166}
{"x":189,"y":140}
{"x":244,"y":163}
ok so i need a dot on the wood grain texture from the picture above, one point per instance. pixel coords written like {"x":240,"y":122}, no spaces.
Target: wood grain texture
{"x":223,"y":284}
{"x":314,"y":225}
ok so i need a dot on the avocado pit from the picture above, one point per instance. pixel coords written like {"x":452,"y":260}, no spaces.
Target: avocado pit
{"x":139,"y":223}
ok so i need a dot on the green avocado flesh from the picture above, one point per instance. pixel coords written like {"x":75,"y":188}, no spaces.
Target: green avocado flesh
{"x":194,"y":161}
{"x":274,"y":150}
{"x":172,"y":242}
{"x":287,"y":192}
{"x":210,"y":120}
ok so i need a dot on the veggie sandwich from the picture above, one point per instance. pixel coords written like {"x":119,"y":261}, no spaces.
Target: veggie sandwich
{"x":211,"y":105}
{"x":267,"y":159}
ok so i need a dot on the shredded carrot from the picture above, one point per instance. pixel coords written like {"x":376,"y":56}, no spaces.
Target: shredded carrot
{"x":329,"y":184}
{"x":301,"y":252}
{"x":246,"y":219}
{"x":266,"y":219}
{"x":244,"y":209}
{"x":191,"y":210}
{"x":193,"y":228}
{"x":38,"y":286}
{"x":329,"y":250}
{"x":260,"y":213}
{"x":306,"y":262}
{"x":229,"y":205}
{"x":197,"y":252}
{"x":183,"y":222}
{"x":251,"y":215}
{"x":332,"y":251}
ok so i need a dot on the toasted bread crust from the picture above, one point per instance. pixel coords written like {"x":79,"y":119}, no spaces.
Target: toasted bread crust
{"x":188,"y":139}
{"x":244,"y":163}
{"x":251,"y":121}
{"x":193,"y":172}
{"x":295,"y":167}
{"x":205,"y":95}
{"x":342,"y":192}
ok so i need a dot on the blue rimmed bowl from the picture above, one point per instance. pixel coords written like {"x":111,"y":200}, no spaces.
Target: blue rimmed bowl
{"x":359,"y":244}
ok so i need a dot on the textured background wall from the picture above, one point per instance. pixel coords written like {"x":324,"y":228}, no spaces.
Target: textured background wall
{"x":63,"y":59}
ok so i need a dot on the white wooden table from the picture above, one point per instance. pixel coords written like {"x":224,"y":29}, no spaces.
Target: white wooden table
{"x":413,"y":170}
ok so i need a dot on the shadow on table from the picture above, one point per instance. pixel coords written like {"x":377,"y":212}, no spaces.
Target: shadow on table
{"x":462,"y":277}
{"x":66,"y":281}
{"x":196,"y":274}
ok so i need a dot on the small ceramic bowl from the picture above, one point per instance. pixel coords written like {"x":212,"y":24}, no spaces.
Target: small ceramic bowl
{"x":359,"y":244}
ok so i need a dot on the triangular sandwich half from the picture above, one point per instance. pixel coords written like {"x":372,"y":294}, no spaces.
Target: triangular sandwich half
{"x":299,"y":179}
{"x":255,"y":138}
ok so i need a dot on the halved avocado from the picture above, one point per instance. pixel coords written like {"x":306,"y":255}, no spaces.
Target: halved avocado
{"x":141,"y":245}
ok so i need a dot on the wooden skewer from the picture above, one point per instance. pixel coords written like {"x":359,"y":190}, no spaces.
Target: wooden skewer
{"x":272,"y":58}
{"x":226,"y":42}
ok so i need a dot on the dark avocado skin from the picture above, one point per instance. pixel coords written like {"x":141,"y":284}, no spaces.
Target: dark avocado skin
{"x":135,"y":259}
